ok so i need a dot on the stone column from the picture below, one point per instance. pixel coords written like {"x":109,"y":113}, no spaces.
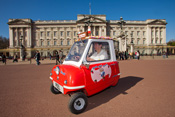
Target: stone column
{"x":29,"y":37}
{"x":158,"y":41}
{"x":72,"y":33}
{"x":23,"y":41}
{"x":39,"y":37}
{"x":45,"y":35}
{"x":154,"y":36}
{"x":132,"y":47}
{"x":104,"y":33}
{"x":64,"y":42}
{"x":120,"y":44}
{"x":58,"y":36}
{"x":100,"y":31}
{"x":94,"y":32}
{"x":11,"y":37}
{"x":17,"y":37}
{"x":51,"y":37}
{"x":164,"y":35}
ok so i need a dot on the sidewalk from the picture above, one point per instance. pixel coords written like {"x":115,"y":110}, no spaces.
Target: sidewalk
{"x":33,"y":61}
{"x":48,"y":61}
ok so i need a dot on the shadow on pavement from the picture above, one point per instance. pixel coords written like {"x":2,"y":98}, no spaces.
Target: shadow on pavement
{"x":123,"y":85}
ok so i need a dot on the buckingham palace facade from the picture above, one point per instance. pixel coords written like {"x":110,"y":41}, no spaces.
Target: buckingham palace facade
{"x":50,"y":36}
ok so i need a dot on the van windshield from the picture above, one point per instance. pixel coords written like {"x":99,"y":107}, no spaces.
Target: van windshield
{"x":76,"y":51}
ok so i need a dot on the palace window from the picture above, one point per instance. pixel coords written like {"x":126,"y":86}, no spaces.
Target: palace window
{"x":138,"y":41}
{"x":132,"y":33}
{"x":55,"y":33}
{"x":143,"y":33}
{"x":61,"y":33}
{"x":41,"y":34}
{"x":68,"y":42}
{"x":143,"y":41}
{"x":42,"y":43}
{"x":48,"y":33}
{"x":75,"y":33}
{"x":55,"y":43}
{"x":160,"y":33}
{"x":126,"y":32}
{"x":48,"y":43}
{"x":25,"y":33}
{"x":68,"y":33}
{"x":152,"y":33}
{"x":156,"y":33}
{"x":96,"y":33}
{"x":156,"y":41}
{"x":160,"y":41}
{"x":114,"y":33}
{"x":138,"y":32}
{"x":152,"y":41}
{"x":61,"y":42}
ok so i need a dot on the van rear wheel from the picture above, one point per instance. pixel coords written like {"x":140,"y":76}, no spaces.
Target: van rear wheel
{"x":78,"y":103}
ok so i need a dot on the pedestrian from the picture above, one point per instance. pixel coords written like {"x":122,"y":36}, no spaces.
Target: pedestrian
{"x":15,"y":58}
{"x":57,"y":58}
{"x":167,"y":54}
{"x":50,"y":56}
{"x":60,"y":56}
{"x":138,"y":55}
{"x":3,"y":58}
{"x":37,"y":56}
{"x":164,"y":54}
{"x":126,"y":55}
{"x":123,"y":53}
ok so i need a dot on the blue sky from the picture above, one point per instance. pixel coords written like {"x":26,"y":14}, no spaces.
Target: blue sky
{"x":68,"y":10}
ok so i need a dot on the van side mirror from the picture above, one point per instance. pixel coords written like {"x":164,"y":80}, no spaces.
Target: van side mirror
{"x":85,"y":63}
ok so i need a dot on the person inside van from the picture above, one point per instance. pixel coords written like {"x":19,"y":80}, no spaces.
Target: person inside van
{"x":100,"y":54}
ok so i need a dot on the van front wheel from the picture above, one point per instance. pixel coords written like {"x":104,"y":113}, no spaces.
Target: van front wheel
{"x":54,"y":90}
{"x":78,"y":103}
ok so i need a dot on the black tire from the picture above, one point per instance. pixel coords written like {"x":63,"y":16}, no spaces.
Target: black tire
{"x":78,"y":103}
{"x":54,"y":90}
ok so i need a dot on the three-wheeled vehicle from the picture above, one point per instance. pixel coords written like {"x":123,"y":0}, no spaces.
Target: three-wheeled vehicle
{"x":80,"y":77}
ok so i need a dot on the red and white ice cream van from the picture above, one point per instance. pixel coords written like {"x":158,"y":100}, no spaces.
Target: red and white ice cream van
{"x":85,"y":71}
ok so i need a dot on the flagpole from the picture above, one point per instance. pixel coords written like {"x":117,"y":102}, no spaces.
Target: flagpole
{"x":90,"y":8}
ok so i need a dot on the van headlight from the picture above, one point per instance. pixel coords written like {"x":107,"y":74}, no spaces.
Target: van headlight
{"x":57,"y":70}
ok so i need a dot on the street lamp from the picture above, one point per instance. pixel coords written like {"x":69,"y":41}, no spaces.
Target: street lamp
{"x":132,"y":44}
{"x":122,"y":34}
{"x":21,"y":41}
{"x":21,"y":49}
{"x":121,"y":23}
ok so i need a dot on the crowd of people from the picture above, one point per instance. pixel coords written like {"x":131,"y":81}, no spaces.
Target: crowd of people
{"x":125,"y":55}
{"x":58,"y":56}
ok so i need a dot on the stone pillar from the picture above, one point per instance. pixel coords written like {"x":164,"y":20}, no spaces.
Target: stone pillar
{"x":29,"y":37}
{"x":72,"y":33}
{"x":100,"y":31}
{"x":11,"y":37}
{"x":58,"y":36}
{"x":51,"y":37}
{"x":132,"y":47}
{"x":164,"y":35}
{"x":64,"y":42}
{"x":158,"y":41}
{"x":94,"y":32}
{"x":17,"y":37}
{"x":154,"y":36}
{"x":120,"y":44}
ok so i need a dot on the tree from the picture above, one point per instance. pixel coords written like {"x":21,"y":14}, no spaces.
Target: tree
{"x":171,"y":42}
{"x":4,"y":42}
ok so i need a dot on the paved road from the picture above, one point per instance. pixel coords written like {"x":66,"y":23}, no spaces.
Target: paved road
{"x":146,"y":88}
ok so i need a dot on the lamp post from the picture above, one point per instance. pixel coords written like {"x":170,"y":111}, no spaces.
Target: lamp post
{"x":122,"y":34}
{"x":21,"y":48}
{"x":132,"y":44}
